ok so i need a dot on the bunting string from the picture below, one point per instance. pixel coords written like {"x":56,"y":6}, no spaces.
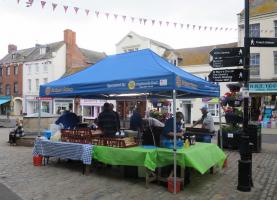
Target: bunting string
{"x":141,"y":20}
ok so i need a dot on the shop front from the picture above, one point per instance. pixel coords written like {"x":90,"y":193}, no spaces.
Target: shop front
{"x":4,"y":104}
{"x":91,"y":108}
{"x":263,"y":103}
{"x":61,"y":105}
{"x":31,"y":105}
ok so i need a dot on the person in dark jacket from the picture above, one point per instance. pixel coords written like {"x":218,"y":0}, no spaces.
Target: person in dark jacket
{"x":17,"y":132}
{"x":69,"y":120}
{"x":117,"y":117}
{"x":107,"y":121}
{"x":135,"y":120}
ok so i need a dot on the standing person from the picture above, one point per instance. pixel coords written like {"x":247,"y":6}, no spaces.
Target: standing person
{"x":206,"y":120}
{"x":107,"y":121}
{"x":168,"y":131}
{"x":117,"y":117}
{"x":68,"y":119}
{"x":136,"y":120}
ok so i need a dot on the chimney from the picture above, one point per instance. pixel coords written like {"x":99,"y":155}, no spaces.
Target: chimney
{"x":69,"y":37}
{"x":12,"y":48}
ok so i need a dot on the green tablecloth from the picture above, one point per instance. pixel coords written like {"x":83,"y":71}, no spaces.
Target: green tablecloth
{"x":201,"y":156}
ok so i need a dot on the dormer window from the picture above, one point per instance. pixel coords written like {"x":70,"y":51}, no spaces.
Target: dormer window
{"x":42,"y":50}
{"x":13,"y":56}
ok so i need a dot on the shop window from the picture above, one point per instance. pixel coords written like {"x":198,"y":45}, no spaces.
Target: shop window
{"x":254,"y":64}
{"x":275,"y":61}
{"x":8,"y":70}
{"x":254,"y":30}
{"x":8,"y":90}
{"x":45,"y":106}
{"x":213,"y":109}
{"x":15,"y":69}
{"x":275,"y":27}
{"x":15,"y":88}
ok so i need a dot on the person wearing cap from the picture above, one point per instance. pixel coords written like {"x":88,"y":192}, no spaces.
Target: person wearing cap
{"x":206,"y":120}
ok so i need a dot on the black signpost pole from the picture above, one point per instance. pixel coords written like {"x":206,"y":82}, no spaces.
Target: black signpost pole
{"x":245,"y":164}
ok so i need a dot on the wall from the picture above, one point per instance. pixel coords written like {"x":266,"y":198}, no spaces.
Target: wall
{"x":132,"y":42}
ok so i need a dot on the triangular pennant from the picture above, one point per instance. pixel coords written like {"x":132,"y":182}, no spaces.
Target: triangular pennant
{"x":115,"y":16}
{"x":199,"y":27}
{"x":175,"y":24}
{"x":29,"y":3}
{"x":133,"y":19}
{"x":76,"y":9}
{"x":97,"y":13}
{"x":182,"y":25}
{"x":42,"y":3}
{"x":65,"y":8}
{"x":153,"y":22}
{"x":18,"y":1}
{"x":167,"y":23}
{"x":265,"y":31}
{"x":107,"y":15}
{"x":221,"y":29}
{"x":230,"y":29}
{"x":205,"y":28}
{"x":236,"y":29}
{"x":216,"y":28}
{"x":211,"y":28}
{"x":124,"y":17}
{"x":140,"y":20}
{"x":160,"y":22}
{"x":87,"y":11}
{"x":187,"y":26}
{"x":193,"y":27}
{"x":144,"y":21}
{"x":54,"y":5}
{"x":226,"y":29}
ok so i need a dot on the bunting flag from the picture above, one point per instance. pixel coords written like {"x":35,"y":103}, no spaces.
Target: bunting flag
{"x":42,"y":3}
{"x":87,"y":11}
{"x":65,"y":8}
{"x":141,"y":20}
{"x":133,"y":19}
{"x":54,"y":5}
{"x":144,"y":21}
{"x":107,"y":15}
{"x":76,"y":9}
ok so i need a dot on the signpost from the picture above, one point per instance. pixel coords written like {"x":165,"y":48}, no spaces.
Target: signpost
{"x":226,"y":75}
{"x":262,"y":42}
{"x":227,"y":52}
{"x":219,"y":62}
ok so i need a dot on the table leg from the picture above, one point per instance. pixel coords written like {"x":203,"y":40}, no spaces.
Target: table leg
{"x":86,"y":170}
{"x":149,"y":177}
{"x":183,"y":176}
{"x":212,"y":170}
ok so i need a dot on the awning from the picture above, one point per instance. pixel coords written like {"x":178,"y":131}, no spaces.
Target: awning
{"x":4,"y":100}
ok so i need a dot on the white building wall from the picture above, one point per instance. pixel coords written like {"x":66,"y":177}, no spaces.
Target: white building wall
{"x":132,"y":43}
{"x":157,"y":49}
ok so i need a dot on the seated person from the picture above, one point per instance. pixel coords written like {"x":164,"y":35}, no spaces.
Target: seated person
{"x":68,"y":120}
{"x":17,"y":132}
{"x":107,"y":121}
{"x":168,"y":131}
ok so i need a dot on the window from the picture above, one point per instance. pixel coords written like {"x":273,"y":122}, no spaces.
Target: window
{"x":1,"y":88}
{"x":13,"y":56}
{"x":1,"y":71}
{"x":37,"y":68}
{"x":275,"y":27}
{"x":254,"y":30}
{"x":37,"y":84}
{"x":8,"y":70}
{"x":15,"y":88}
{"x":29,"y":69}
{"x":29,"y":85}
{"x":254,"y":64}
{"x":275,"y":61}
{"x":130,"y":49}
{"x":42,"y":50}
{"x":213,"y":109}
{"x":8,"y":90}
{"x":15,"y":69}
{"x":45,"y":67}
{"x":45,"y":80}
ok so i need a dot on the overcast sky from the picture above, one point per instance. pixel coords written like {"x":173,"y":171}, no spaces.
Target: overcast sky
{"x":25,"y":26}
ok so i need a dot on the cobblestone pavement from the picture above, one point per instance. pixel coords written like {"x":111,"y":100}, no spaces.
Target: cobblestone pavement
{"x":63,"y":180}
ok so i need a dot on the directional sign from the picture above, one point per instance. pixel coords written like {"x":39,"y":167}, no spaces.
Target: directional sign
{"x":227,"y":52}
{"x":226,"y":75}
{"x":263,"y":42}
{"x":226,"y":62}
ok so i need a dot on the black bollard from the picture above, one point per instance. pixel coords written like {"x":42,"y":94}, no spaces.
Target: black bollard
{"x":244,"y":176}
